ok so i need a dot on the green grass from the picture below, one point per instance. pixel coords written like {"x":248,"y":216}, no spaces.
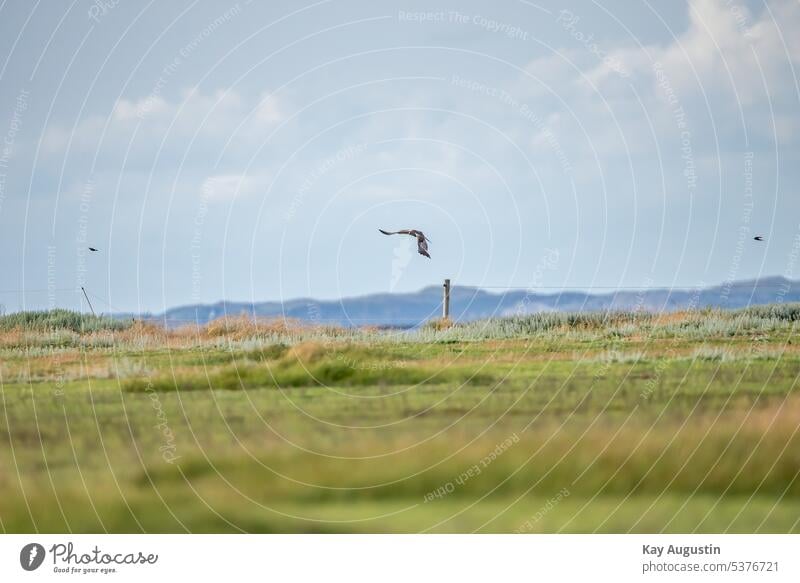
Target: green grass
{"x":547,"y":423}
{"x":50,"y":320}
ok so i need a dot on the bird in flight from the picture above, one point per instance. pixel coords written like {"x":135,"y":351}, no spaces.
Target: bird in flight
{"x":93,"y":249}
{"x":758,"y":238}
{"x":422,"y":240}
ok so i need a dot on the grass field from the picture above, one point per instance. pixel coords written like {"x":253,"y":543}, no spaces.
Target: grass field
{"x":549,"y":423}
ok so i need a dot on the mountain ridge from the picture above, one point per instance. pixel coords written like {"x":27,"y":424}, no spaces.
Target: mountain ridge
{"x":471,"y":303}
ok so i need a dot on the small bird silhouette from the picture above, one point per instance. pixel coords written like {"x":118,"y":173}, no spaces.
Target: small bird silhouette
{"x":758,"y":238}
{"x":422,"y":240}
{"x":93,"y":249}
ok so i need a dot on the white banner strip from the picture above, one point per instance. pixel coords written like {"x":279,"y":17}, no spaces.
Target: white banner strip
{"x":402,"y":558}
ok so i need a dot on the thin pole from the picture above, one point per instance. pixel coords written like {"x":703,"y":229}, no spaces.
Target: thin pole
{"x":446,"y":301}
{"x":87,"y":301}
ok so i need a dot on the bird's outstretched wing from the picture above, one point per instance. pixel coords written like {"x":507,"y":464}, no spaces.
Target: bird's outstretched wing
{"x":403,"y":232}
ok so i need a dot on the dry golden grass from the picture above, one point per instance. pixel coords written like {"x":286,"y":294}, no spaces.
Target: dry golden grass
{"x":676,"y":317}
{"x":439,"y":324}
{"x":307,"y":352}
{"x":243,"y":327}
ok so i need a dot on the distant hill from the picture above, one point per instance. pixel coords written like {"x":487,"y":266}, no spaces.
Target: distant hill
{"x":468,"y":303}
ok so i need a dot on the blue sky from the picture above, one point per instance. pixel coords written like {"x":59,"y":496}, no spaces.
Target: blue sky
{"x":250,"y":151}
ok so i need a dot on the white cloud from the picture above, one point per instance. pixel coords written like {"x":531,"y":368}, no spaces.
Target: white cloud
{"x":206,"y":120}
{"x":713,"y":68}
{"x":227,"y":187}
{"x":725,"y":49}
{"x":269,"y":111}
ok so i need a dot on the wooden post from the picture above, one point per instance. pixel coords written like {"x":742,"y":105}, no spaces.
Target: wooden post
{"x":446,"y":301}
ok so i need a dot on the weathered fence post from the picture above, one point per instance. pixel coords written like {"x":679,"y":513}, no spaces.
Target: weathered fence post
{"x":446,"y":301}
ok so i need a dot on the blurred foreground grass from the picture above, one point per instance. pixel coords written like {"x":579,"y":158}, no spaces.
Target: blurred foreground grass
{"x":548,"y":423}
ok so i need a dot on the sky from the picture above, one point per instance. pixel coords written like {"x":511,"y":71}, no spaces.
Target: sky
{"x":250,"y":150}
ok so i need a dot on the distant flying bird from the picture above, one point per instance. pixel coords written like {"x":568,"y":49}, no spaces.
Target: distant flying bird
{"x":93,"y":249}
{"x":422,"y":240}
{"x":758,"y":238}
